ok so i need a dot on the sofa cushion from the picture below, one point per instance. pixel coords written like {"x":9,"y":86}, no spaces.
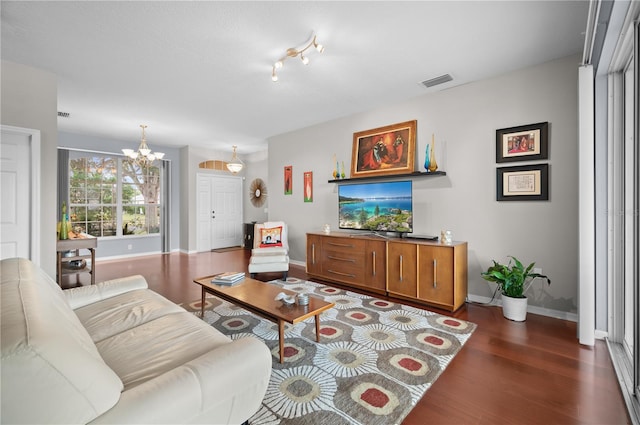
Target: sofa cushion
{"x":123,"y":312}
{"x":48,"y":359}
{"x":267,"y":259}
{"x":157,"y":346}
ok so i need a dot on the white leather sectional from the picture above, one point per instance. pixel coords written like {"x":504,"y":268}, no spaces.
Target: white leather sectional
{"x":117,"y":352}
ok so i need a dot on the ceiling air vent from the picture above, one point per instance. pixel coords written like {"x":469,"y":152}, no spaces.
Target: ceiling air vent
{"x":438,"y":80}
{"x":64,"y":114}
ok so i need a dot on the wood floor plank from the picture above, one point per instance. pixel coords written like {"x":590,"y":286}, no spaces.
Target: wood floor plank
{"x":533,"y":372}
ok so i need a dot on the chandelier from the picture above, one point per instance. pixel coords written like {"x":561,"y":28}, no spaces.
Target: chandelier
{"x":143,"y":156}
{"x":292,"y":53}
{"x":235,"y":165}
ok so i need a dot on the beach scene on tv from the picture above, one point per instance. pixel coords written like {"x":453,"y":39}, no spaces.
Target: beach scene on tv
{"x":377,"y":207}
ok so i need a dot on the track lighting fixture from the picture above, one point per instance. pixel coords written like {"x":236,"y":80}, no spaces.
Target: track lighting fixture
{"x":293,"y":52}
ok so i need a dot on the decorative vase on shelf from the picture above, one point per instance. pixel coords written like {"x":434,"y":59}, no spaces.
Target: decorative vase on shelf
{"x":342,"y":175}
{"x":335,"y":170}
{"x":433,"y":165}
{"x":426,"y":159}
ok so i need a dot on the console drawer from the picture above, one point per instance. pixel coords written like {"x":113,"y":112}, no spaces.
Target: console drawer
{"x":343,"y":245}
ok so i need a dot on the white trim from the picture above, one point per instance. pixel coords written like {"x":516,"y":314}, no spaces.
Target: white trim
{"x":542,"y":311}
{"x":298,"y":263}
{"x":586,"y":206}
{"x":34,"y":145}
{"x":590,"y":32}
{"x":615,"y":122}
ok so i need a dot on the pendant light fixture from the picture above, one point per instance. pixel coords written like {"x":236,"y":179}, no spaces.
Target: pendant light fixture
{"x":143,"y":156}
{"x":235,"y":165}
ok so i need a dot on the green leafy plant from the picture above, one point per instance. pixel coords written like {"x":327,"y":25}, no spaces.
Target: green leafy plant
{"x":512,"y":277}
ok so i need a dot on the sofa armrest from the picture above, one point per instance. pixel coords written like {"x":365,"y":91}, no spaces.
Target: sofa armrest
{"x":85,"y":295}
{"x":223,"y":386}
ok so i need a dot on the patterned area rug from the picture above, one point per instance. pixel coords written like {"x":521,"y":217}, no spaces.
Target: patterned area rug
{"x":376,"y":358}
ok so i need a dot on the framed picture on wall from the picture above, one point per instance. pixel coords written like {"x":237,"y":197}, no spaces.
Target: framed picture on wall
{"x":523,"y":183}
{"x":288,"y":180}
{"x":523,"y":143}
{"x":308,"y":186}
{"x":385,"y":150}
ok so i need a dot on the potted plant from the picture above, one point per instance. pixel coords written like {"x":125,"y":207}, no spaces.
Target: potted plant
{"x":511,"y":279}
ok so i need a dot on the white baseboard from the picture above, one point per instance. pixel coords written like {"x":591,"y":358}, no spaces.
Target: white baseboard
{"x":120,"y":257}
{"x":572,"y":317}
{"x":298,"y":263}
{"x":601,"y":334}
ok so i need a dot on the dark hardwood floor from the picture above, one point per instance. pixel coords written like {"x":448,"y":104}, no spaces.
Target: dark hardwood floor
{"x":533,"y":372}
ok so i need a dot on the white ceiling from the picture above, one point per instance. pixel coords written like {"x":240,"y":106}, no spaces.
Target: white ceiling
{"x":199,"y":72}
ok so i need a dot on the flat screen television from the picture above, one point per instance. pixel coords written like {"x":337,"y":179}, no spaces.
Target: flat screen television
{"x":383,"y":207}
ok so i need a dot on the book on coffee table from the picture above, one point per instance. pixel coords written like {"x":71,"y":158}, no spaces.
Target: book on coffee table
{"x":228,"y":278}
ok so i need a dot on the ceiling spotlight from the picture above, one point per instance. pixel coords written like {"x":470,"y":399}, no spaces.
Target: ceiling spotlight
{"x":293,"y":52}
{"x":319,"y":47}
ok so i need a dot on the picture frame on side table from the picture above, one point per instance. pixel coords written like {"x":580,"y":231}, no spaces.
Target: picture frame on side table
{"x":523,"y":143}
{"x":384,"y":151}
{"x":523,"y":183}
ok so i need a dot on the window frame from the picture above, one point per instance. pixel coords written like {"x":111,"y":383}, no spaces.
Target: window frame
{"x":119,"y":204}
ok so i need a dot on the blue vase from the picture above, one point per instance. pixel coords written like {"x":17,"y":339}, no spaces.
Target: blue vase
{"x":426,"y":159}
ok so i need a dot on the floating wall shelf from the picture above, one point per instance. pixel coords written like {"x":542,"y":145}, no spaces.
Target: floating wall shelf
{"x":392,"y":176}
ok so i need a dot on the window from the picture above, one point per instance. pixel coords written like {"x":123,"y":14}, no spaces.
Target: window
{"x":140,"y":199}
{"x":112,"y":196}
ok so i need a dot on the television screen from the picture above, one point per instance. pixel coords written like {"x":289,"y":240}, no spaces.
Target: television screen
{"x":377,"y":207}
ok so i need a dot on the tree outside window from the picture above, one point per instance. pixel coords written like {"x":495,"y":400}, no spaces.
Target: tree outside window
{"x":140,"y":199}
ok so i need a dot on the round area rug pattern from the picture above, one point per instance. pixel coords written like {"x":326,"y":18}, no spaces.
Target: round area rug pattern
{"x":374,"y":361}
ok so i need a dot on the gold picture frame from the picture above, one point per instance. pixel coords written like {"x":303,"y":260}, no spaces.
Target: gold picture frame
{"x":384,"y":151}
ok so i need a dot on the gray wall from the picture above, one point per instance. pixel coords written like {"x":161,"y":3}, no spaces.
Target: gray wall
{"x":464,"y":120}
{"x":30,"y":100}
{"x":257,"y":166}
{"x":118,"y":247}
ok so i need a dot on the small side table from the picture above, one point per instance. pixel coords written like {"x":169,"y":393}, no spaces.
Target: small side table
{"x":248,"y":235}
{"x":86,"y":242}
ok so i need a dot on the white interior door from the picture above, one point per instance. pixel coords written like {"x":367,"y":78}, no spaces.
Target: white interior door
{"x":219,"y":211}
{"x":227,"y":212}
{"x":18,"y":211}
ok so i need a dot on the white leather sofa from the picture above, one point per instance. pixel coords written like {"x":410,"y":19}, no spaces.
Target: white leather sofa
{"x":115,"y":353}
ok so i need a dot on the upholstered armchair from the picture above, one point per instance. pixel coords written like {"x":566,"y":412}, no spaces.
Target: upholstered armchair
{"x":270,"y":251}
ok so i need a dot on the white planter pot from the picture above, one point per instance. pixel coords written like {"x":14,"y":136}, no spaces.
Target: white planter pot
{"x":514,"y":308}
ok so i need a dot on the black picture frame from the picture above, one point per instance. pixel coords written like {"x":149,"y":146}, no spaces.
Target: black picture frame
{"x":523,"y":183}
{"x":523,"y":143}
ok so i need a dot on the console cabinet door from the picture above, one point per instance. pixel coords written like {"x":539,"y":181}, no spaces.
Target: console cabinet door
{"x":436,"y":279}
{"x":375,"y":265}
{"x":314,"y":254}
{"x":401,"y":269}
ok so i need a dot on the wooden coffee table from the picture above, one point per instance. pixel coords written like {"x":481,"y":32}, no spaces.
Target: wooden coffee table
{"x":259,"y":298}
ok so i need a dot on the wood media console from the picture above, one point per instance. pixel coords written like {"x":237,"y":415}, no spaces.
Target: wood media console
{"x":423,"y":271}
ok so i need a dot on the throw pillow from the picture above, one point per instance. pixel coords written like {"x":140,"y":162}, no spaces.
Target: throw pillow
{"x":270,"y":236}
